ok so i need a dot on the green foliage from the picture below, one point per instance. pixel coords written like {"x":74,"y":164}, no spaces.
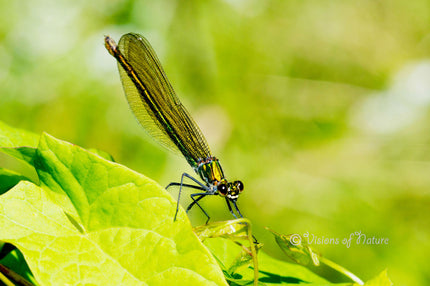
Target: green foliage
{"x":18,"y":143}
{"x":239,"y":232}
{"x":380,"y":280}
{"x":9,"y":179}
{"x":93,"y":221}
{"x":271,"y":271}
{"x":296,"y":249}
{"x":98,"y":222}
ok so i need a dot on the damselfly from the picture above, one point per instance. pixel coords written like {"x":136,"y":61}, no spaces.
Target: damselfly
{"x":158,"y":109}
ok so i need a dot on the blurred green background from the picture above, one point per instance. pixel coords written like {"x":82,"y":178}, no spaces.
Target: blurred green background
{"x":321,"y":108}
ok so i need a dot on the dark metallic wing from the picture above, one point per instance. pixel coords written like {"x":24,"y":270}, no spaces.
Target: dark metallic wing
{"x":153,"y":100}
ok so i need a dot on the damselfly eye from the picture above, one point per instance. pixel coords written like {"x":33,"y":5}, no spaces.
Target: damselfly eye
{"x":222,"y":189}
{"x":239,"y":186}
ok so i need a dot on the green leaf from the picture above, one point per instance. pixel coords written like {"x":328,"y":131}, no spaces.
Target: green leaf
{"x":271,"y":270}
{"x":8,"y":179}
{"x":18,"y":143}
{"x":102,"y":154}
{"x":236,"y":229}
{"x":14,"y":137}
{"x":296,"y":248}
{"x":380,"y":280}
{"x":239,"y":232}
{"x":227,"y":253}
{"x":277,"y":271}
{"x":97,"y":222}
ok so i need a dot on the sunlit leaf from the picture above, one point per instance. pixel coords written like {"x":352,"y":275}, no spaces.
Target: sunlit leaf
{"x":17,"y":142}
{"x":239,"y":232}
{"x":102,"y":154}
{"x":232,"y":229}
{"x":8,"y":179}
{"x":380,"y":280}
{"x":296,"y":248}
{"x":271,"y":270}
{"x":117,"y":227}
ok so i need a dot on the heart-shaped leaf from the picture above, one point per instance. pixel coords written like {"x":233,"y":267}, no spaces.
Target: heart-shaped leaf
{"x":96,"y":222}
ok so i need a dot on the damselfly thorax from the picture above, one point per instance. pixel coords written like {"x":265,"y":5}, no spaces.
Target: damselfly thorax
{"x":210,"y":171}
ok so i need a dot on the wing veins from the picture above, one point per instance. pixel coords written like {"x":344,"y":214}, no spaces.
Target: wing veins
{"x":144,"y":79}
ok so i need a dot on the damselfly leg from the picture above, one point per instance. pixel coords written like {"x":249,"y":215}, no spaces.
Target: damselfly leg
{"x":199,"y":186}
{"x":235,"y":206}
{"x":195,"y":201}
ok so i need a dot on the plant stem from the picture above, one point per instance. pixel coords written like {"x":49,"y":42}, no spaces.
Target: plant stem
{"x":254,"y":254}
{"x":5,"y":280}
{"x":341,"y":269}
{"x":6,"y":274}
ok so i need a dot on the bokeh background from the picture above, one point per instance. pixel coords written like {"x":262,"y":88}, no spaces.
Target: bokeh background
{"x":322,"y":108}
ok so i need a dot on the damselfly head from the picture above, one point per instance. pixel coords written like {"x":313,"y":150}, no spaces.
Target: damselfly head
{"x":238,"y":185}
{"x":230,"y":190}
